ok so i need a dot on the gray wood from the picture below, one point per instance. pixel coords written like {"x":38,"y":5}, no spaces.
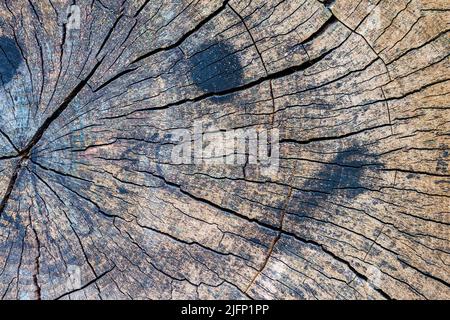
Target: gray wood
{"x":93,"y":207}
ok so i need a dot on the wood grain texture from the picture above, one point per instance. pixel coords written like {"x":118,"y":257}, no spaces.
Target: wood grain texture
{"x":92,"y":207}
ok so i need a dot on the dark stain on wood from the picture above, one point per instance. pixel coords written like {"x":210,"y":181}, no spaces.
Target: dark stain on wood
{"x":342,"y":175}
{"x":10,"y":59}
{"x":442,"y":161}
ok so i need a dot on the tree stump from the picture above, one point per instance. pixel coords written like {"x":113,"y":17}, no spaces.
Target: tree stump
{"x":94,"y":207}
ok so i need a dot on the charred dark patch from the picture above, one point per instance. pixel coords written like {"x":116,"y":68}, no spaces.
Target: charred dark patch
{"x":343,"y":175}
{"x":122,"y":190}
{"x":216,"y":68}
{"x":10,"y":59}
{"x":442,"y":161}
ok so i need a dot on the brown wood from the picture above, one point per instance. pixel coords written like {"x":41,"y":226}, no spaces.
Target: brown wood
{"x":93,"y":207}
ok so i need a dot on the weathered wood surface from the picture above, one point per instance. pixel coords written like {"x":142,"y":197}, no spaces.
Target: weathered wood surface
{"x":92,"y":206}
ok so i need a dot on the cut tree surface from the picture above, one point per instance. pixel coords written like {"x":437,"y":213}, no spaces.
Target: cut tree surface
{"x":94,"y":207}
